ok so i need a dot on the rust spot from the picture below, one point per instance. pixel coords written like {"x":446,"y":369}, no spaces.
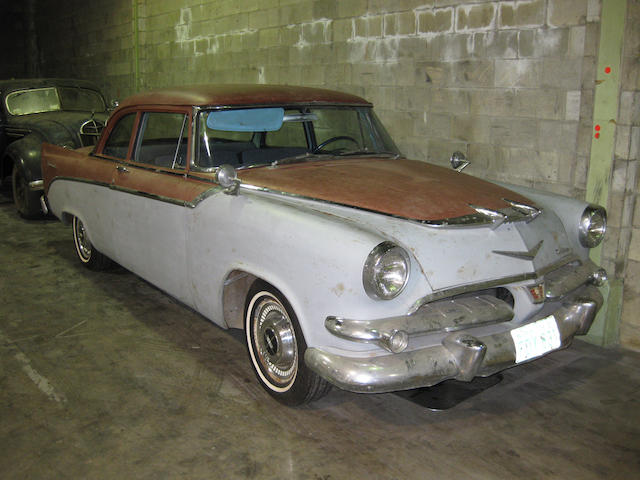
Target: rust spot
{"x":338,"y":290}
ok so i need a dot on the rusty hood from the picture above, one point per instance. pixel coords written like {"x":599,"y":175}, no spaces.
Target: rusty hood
{"x":405,"y":188}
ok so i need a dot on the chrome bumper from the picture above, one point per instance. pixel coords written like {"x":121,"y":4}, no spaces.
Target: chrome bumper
{"x":462,"y":354}
{"x":36,"y":185}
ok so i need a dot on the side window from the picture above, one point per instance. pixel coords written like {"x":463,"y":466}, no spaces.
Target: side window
{"x":118,"y":142}
{"x":162,"y":140}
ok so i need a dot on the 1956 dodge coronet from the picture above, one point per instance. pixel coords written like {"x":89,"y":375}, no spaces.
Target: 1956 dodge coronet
{"x":289,"y":213}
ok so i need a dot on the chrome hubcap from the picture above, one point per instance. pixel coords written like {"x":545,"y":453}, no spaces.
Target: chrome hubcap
{"x":275,"y":342}
{"x":84,"y":246}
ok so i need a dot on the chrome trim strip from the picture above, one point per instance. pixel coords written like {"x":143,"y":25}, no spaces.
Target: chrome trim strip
{"x":528,"y":255}
{"x":174,"y":201}
{"x":523,"y":277}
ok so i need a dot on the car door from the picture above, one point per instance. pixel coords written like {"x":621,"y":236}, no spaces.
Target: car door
{"x":150,"y":199}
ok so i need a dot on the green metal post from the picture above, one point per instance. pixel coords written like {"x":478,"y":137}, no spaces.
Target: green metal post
{"x":605,"y":114}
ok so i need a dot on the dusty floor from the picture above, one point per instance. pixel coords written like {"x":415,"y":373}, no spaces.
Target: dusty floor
{"x":103,"y":376}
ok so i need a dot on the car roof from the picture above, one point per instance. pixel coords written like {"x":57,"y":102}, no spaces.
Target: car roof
{"x":242,"y":95}
{"x":22,"y":83}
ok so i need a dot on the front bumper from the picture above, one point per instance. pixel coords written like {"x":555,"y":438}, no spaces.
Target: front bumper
{"x":466,"y":351}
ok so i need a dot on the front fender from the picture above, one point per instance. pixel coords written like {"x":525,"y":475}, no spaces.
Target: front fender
{"x":315,"y":259}
{"x":25,"y":154}
{"x":567,"y":209}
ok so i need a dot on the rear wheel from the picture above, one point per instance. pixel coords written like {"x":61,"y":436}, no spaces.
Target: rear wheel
{"x":276,"y":348}
{"x":87,"y":253}
{"x":27,"y":201}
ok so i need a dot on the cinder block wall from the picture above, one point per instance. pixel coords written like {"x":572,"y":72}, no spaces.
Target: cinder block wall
{"x":509,"y":83}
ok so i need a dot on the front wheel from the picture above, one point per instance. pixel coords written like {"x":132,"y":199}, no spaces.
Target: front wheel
{"x":27,"y":202}
{"x":87,"y":253}
{"x":276,"y":347}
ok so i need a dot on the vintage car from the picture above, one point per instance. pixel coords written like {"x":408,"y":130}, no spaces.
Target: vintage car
{"x":66,"y":112}
{"x":288,"y":212}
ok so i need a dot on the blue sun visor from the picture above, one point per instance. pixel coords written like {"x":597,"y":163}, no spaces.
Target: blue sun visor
{"x":246,"y":120}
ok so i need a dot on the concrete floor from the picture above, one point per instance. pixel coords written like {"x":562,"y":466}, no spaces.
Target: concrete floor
{"x":103,"y":376}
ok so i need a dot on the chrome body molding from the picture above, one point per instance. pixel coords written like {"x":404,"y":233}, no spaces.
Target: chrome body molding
{"x":463,"y":355}
{"x":174,"y":201}
{"x":528,"y":255}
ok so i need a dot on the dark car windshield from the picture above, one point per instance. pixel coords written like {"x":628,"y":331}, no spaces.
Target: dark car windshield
{"x":53,"y":99}
{"x":247,"y":137}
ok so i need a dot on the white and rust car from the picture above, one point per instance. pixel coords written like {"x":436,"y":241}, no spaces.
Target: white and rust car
{"x":289,"y":213}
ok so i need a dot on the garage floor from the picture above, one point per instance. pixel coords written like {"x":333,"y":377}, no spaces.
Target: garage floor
{"x":103,"y":376}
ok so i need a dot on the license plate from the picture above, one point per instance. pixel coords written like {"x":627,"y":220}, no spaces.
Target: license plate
{"x":536,"y":339}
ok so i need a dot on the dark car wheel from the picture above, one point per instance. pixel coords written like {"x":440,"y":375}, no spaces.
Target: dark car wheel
{"x":27,"y":202}
{"x":87,"y":253}
{"x":276,"y":348}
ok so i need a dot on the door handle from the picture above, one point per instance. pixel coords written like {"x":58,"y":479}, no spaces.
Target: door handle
{"x":122,"y":169}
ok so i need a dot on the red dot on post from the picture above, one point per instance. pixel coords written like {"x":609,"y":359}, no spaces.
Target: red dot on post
{"x":597,"y":128}
{"x":607,"y":70}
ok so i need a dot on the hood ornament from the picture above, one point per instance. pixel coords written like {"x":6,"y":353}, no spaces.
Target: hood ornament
{"x":518,"y":212}
{"x":528,"y":255}
{"x":494,"y":217}
{"x":527,"y":210}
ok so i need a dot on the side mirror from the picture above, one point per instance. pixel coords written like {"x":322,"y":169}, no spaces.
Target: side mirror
{"x":458,"y":161}
{"x":227,"y":178}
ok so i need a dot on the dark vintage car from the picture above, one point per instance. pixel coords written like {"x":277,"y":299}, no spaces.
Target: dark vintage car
{"x":289,"y":213}
{"x":70,"y":113}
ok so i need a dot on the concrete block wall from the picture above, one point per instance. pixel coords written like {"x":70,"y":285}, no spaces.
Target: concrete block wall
{"x":19,"y":52}
{"x":509,"y":83}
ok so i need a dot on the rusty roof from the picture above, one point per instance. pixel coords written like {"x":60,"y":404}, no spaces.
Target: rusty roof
{"x":239,"y":95}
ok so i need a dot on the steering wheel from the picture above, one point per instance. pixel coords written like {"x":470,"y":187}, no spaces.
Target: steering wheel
{"x":335,"y":139}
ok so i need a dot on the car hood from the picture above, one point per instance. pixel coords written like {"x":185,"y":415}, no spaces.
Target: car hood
{"x":399,"y":187}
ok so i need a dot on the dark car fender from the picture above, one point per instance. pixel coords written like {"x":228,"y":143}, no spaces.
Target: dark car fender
{"x":25,"y":154}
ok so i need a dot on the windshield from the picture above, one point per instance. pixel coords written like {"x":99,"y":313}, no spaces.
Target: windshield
{"x":52,"y":99}
{"x":247,"y":137}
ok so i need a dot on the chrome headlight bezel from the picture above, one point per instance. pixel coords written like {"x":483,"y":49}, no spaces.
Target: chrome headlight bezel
{"x":593,"y":226}
{"x":386,"y":261}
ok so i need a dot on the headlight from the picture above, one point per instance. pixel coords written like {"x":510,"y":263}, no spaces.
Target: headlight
{"x":593,"y":225}
{"x":386,"y":271}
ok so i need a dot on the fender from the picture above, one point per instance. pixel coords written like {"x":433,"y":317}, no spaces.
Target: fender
{"x":25,"y":154}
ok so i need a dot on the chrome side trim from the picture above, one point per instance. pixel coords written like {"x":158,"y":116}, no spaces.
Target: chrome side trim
{"x":528,"y":255}
{"x":174,"y":201}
